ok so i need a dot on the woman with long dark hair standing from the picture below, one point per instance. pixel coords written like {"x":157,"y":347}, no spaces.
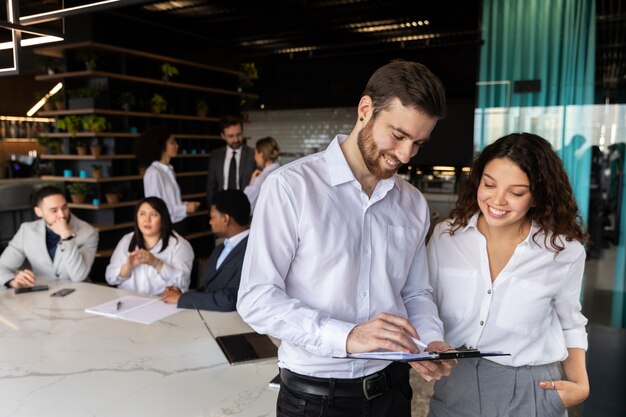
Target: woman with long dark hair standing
{"x":157,"y":147}
{"x":506,"y":270}
{"x":153,"y":256}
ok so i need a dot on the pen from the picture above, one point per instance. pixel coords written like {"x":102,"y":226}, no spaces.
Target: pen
{"x":119,"y":304}
{"x":419,"y":343}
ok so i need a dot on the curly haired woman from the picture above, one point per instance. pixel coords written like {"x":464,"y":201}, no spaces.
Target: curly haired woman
{"x":506,"y":270}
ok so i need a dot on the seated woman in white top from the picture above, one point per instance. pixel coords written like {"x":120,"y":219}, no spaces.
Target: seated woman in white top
{"x":157,"y":147}
{"x":265,"y":155}
{"x":152,"y":257}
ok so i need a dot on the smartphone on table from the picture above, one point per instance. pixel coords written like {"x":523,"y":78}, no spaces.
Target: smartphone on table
{"x":31,"y":289}
{"x":62,"y":292}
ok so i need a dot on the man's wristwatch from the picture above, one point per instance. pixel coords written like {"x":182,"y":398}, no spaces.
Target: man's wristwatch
{"x":70,"y":237}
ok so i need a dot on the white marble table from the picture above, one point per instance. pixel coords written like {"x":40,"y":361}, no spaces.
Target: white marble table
{"x":57,"y":360}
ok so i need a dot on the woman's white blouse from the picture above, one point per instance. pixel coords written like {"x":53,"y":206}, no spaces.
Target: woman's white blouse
{"x":160,"y":181}
{"x":253,"y":190}
{"x":177,"y":262}
{"x":531,"y":310}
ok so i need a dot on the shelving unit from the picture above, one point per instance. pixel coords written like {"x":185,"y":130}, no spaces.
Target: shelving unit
{"x":139,"y":73}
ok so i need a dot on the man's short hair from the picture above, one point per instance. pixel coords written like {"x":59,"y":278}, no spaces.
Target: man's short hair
{"x":228,"y":121}
{"x":43,"y":192}
{"x":234,"y":203}
{"x":412,"y":83}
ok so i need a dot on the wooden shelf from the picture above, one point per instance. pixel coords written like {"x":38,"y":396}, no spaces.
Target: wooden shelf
{"x":123,"y":135}
{"x":118,"y":226}
{"x":128,"y":225}
{"x":115,"y":179}
{"x":86,"y":157}
{"x":144,"y":80}
{"x":90,"y":135}
{"x":56,"y":51}
{"x":110,"y":112}
{"x":103,"y":206}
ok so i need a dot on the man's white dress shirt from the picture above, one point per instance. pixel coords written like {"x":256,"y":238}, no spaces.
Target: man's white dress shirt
{"x":160,"y":181}
{"x":323,"y":257}
{"x":531,"y":310}
{"x":177,"y":262}
{"x":229,"y":155}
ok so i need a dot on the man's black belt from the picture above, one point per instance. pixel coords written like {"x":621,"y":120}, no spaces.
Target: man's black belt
{"x":368,"y":387}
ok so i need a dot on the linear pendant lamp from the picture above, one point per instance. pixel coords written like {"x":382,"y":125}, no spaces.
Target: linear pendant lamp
{"x":18,"y":25}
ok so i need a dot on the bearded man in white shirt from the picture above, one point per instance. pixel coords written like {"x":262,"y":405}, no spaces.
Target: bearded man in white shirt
{"x":336,"y":263}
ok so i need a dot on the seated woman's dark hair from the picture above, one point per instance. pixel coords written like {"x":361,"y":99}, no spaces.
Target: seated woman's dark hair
{"x":150,"y":146}
{"x":157,"y":204}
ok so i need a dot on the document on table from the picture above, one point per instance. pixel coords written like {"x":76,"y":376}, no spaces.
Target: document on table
{"x":137,"y":309}
{"x":424,"y":356}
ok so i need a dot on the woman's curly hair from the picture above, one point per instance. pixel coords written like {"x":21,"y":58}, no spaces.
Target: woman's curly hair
{"x":554,"y":207}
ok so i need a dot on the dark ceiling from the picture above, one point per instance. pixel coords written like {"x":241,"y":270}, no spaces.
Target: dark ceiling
{"x":309,"y":36}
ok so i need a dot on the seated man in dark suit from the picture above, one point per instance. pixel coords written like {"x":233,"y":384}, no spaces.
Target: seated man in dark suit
{"x":230,"y":219}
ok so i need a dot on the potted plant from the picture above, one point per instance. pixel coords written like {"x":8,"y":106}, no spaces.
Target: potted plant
{"x":168,"y":71}
{"x":89,"y":58}
{"x":157,"y":104}
{"x":112,"y":195}
{"x":126,"y":100}
{"x":70,"y":124}
{"x":202,"y":107}
{"x":53,"y":145}
{"x":96,"y":171}
{"x":87,"y":97}
{"x":95,"y":123}
{"x":78,"y":192}
{"x":81,"y":147}
{"x":57,"y":101}
{"x":95,"y":148}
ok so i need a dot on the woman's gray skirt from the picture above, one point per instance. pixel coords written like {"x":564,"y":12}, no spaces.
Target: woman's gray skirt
{"x":482,"y":388}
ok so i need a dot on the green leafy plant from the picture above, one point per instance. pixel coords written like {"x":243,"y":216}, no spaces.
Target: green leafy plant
{"x":126,"y":100}
{"x":86,"y":92}
{"x":70,"y":124}
{"x":158,"y":104}
{"x":80,"y":143}
{"x":53,"y":145}
{"x":95,"y":123}
{"x":202,"y":107}
{"x":77,"y":188}
{"x":88,"y":57}
{"x":168,"y":71}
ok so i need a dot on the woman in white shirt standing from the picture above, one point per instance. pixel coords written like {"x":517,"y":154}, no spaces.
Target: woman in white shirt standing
{"x":506,"y":270}
{"x":265,"y":155}
{"x":157,"y":147}
{"x":153,"y":256}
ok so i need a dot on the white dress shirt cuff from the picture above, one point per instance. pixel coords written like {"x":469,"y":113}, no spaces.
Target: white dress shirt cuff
{"x":576,"y":338}
{"x":430,"y":336}
{"x":334,"y":337}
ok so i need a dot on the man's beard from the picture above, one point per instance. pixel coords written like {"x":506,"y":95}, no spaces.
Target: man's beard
{"x":371,"y":154}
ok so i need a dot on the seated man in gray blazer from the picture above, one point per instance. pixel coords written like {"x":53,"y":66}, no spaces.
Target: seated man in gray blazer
{"x":57,"y":246}
{"x":230,"y":219}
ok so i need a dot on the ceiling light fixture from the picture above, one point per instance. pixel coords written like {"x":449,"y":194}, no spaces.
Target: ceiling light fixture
{"x":44,"y":99}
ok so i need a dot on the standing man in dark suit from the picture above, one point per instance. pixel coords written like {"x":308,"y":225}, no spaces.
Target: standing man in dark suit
{"x":231,"y":166}
{"x":230,"y":219}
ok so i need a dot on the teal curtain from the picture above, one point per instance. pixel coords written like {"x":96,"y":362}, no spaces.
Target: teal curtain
{"x":552,"y":41}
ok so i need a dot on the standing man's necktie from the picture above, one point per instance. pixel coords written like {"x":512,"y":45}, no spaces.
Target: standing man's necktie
{"x":232,"y":172}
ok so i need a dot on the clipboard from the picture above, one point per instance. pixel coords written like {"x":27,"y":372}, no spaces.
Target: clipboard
{"x":459,"y":353}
